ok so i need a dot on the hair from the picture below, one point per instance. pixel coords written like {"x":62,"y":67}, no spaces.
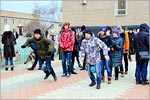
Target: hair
{"x":66,"y":23}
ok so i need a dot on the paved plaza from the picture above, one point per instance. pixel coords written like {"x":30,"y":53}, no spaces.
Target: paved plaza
{"x":24,"y":84}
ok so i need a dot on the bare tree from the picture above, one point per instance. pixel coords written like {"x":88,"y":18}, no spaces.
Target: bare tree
{"x":46,"y":14}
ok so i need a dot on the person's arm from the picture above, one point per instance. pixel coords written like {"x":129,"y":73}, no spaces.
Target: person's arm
{"x":104,"y":48}
{"x":82,"y":48}
{"x":27,"y":43}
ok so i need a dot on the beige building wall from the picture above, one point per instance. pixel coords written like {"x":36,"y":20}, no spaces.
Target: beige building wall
{"x":14,"y":19}
{"x":20,"y":18}
{"x":97,"y":13}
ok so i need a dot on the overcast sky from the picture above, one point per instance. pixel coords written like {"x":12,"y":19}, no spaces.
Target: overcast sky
{"x":25,"y":6}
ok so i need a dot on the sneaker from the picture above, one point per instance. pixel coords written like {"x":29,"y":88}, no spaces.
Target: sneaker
{"x":47,"y":74}
{"x":98,"y":86}
{"x":6,"y":69}
{"x":80,"y":66}
{"x":82,"y":69}
{"x":39,"y":68}
{"x":55,"y":78}
{"x":116,"y":78}
{"x":64,"y":75}
{"x":68,"y":75}
{"x":92,"y":84}
{"x":73,"y":72}
{"x":126,"y":72}
{"x":145,"y":83}
{"x":30,"y":69}
{"x":122,"y":75}
{"x":12,"y":68}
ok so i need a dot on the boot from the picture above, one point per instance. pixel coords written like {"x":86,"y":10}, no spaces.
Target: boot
{"x":103,"y":79}
{"x":109,"y":80}
{"x":47,"y":74}
{"x":6,"y":68}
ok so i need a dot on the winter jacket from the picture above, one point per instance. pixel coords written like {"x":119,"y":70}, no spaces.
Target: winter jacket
{"x":8,"y":39}
{"x":66,"y":40}
{"x":142,"y":40}
{"x":44,"y":46}
{"x":107,"y":41}
{"x":126,"y":43}
{"x":91,"y":48}
{"x":117,"y":44}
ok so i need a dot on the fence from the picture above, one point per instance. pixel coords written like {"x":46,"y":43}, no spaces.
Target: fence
{"x":21,"y":55}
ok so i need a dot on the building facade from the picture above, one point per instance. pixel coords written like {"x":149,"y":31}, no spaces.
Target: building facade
{"x":19,"y":21}
{"x":105,"y":12}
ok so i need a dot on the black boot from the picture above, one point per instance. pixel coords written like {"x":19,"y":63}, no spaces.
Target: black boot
{"x":31,"y":68}
{"x":47,"y":74}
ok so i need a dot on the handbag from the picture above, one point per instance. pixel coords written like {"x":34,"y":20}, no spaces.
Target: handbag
{"x":144,"y":55}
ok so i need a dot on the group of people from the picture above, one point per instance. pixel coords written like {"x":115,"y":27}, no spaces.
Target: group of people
{"x":104,"y":50}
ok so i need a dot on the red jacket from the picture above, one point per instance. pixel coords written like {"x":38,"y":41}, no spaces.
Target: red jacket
{"x":66,"y":41}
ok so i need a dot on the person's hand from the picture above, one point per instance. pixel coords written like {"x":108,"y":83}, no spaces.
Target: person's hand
{"x":107,"y":57}
{"x":82,"y":59}
{"x":23,"y":46}
{"x":112,"y":49}
{"x":108,"y":49}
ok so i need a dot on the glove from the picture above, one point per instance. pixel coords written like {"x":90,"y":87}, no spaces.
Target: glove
{"x":23,"y":46}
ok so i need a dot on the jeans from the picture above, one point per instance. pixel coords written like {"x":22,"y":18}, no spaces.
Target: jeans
{"x":67,"y":56}
{"x":106,"y":63}
{"x":98,"y":73}
{"x":11,"y":61}
{"x":48,"y":66}
{"x":141,"y":71}
{"x":33,"y":47}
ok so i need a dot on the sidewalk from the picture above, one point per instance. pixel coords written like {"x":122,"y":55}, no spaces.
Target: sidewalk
{"x":24,"y":84}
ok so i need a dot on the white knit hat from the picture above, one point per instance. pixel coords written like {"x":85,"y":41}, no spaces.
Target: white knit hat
{"x":6,"y":28}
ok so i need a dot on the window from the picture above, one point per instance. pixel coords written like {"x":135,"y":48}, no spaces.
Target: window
{"x":121,"y":7}
{"x":12,"y":21}
{"x":5,"y":20}
{"x":19,"y":21}
{"x":83,"y":2}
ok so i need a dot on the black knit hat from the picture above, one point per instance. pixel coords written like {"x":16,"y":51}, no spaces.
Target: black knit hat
{"x":37,"y":31}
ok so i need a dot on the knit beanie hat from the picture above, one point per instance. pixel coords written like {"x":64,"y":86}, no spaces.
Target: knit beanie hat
{"x":116,"y":31}
{"x":37,"y":31}
{"x":102,"y":28}
{"x":88,"y":30}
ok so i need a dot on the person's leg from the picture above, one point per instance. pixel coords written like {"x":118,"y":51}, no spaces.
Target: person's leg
{"x":50,"y":69}
{"x":102,"y":70}
{"x":126,"y":62}
{"x":6,"y":64}
{"x":144,"y":72}
{"x":98,"y":74}
{"x":64,"y":56}
{"x":107,"y":64}
{"x":12,"y":63}
{"x":137,"y":73}
{"x":116,"y":73}
{"x":91,"y":75}
{"x":35,"y":62}
{"x":69,"y":63}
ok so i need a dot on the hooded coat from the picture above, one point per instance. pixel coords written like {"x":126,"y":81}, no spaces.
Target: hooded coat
{"x":43,"y":45}
{"x":142,"y":40}
{"x":8,"y":39}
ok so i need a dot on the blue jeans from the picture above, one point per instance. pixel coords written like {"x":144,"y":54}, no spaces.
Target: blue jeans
{"x":141,"y":71}
{"x":67,"y":56}
{"x":98,"y":73}
{"x":11,"y":61}
{"x":48,"y":66}
{"x":106,"y":63}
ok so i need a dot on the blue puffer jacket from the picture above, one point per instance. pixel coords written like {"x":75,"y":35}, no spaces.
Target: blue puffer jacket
{"x":142,"y":40}
{"x":117,"y":44}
